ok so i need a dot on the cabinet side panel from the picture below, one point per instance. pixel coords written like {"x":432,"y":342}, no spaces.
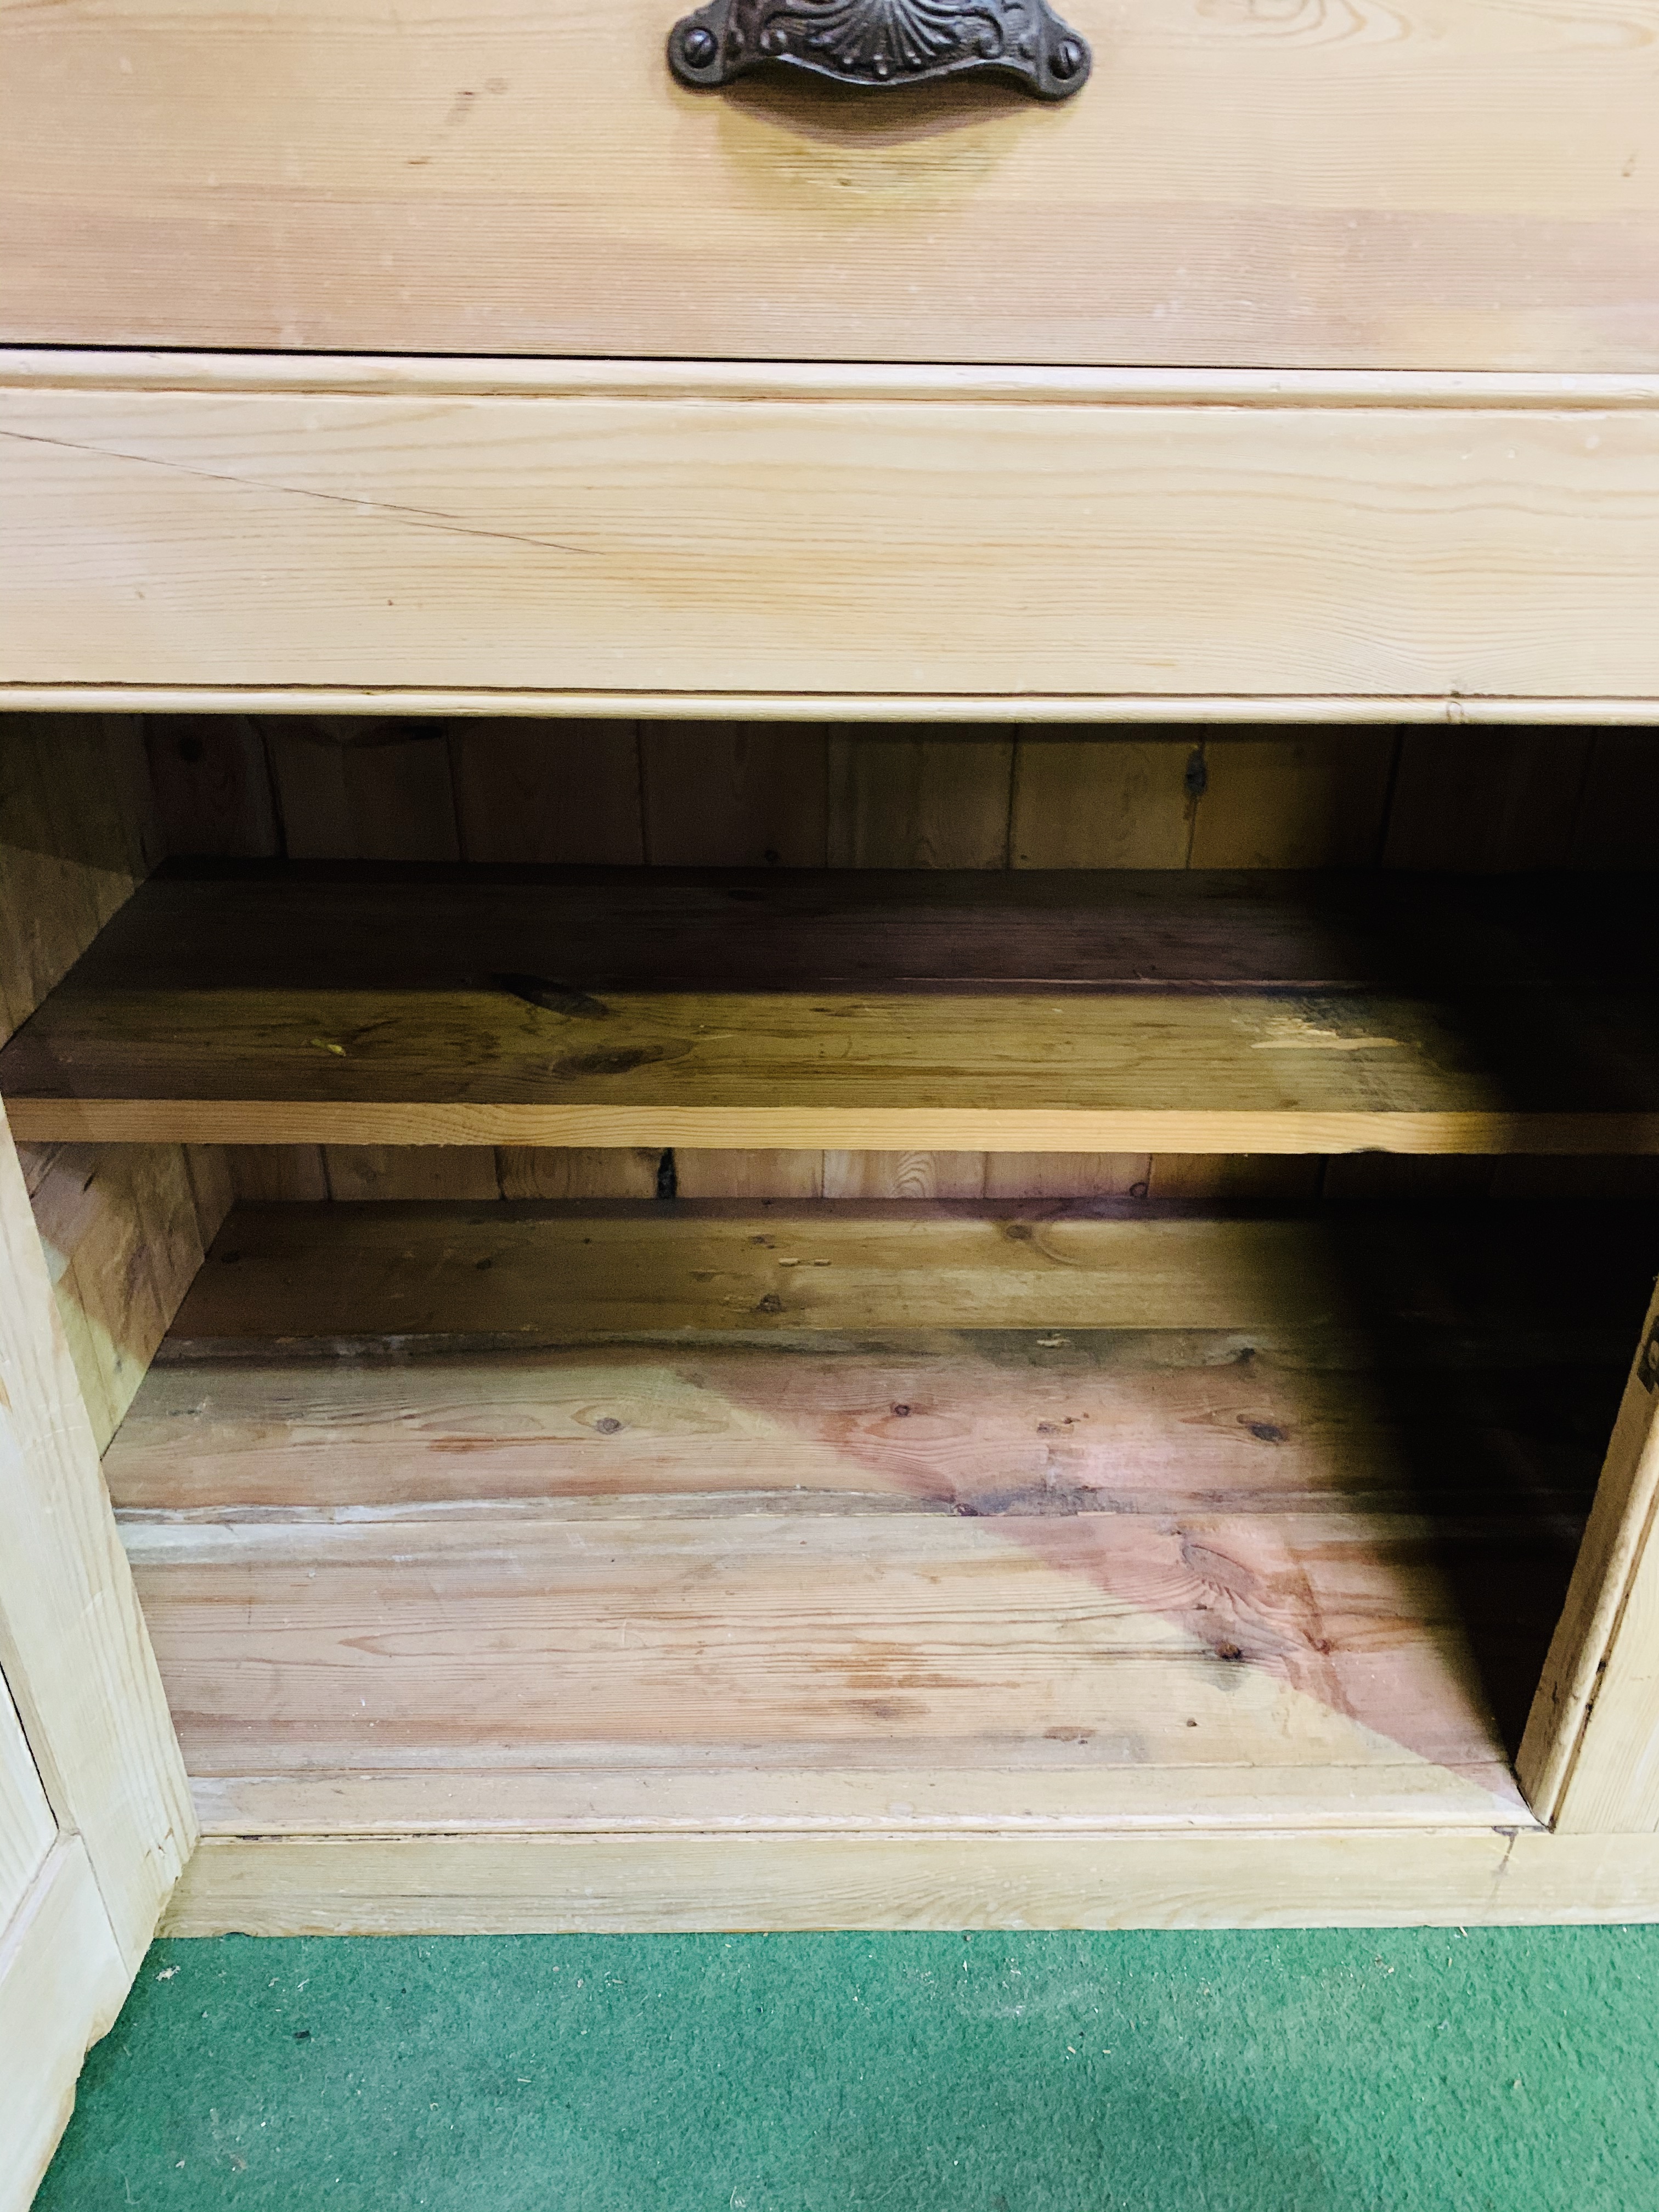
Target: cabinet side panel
{"x":73,"y":1644}
{"x":27,"y":1830}
{"x":77,"y":837}
{"x":62,"y":1982}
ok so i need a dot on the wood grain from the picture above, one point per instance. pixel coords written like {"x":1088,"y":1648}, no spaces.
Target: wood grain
{"x":607,"y":1171}
{"x":74,"y":1651}
{"x":566,"y":791}
{"x":734,"y":795}
{"x":364,"y":790}
{"x":1015,"y":1011}
{"x":383,"y":1171}
{"x":1588,"y":1759}
{"x":1399,"y":188}
{"x":212,"y":784}
{"x":720,"y":546}
{"x":1296,"y":802}
{"x":124,"y":1231}
{"x":27,"y":1830}
{"x":62,"y":1978}
{"x":898,"y":800}
{"x":837,"y":1642}
{"x":265,"y":1173}
{"x":1244,"y":1510}
{"x":550,"y":1273}
{"x":1082,"y":801}
{"x":1275,"y":1878}
{"x":77,"y":835}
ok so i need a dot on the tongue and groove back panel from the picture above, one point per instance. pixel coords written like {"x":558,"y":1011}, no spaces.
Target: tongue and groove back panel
{"x":751,"y":796}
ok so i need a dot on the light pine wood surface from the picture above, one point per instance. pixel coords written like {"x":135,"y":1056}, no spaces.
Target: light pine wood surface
{"x":27,"y":1829}
{"x":881,"y":1517}
{"x":701,"y":546}
{"x":123,"y":1229}
{"x":63,"y":1978}
{"x":717,"y":794}
{"x":1468,"y":189}
{"x":1275,"y":1878}
{"x":1551,"y":1283}
{"x":1588,"y":1759}
{"x":74,"y":1651}
{"x":1121,"y":1014}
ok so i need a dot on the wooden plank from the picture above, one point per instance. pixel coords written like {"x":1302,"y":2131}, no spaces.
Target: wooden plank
{"x":1588,"y":1758}
{"x":124,"y":1234}
{"x":365,"y":791}
{"x":212,"y":1186}
{"x":775,"y":1173}
{"x":1217,"y":1178}
{"x":1486,"y":799}
{"x":1006,"y":1431}
{"x":1067,"y":1175}
{"x":411,"y":539}
{"x":901,"y":801}
{"x":76,"y":840}
{"x":63,"y":1979}
{"x":213,"y":785}
{"x":569,"y":791}
{"x":265,"y":1173}
{"x":1244,"y":1509}
{"x":1279,"y":802}
{"x":1621,"y":785}
{"x":1472,"y":192}
{"x":383,"y":1171}
{"x":837,"y":1641}
{"x":1554,"y":1284}
{"x":904,"y":1174}
{"x":547,"y":1171}
{"x":73,"y":1647}
{"x":1389,"y":1179}
{"x":1108,"y":1013}
{"x":899,"y":1800}
{"x":1083,"y":801}
{"x":551,"y":1884}
{"x":737,"y":795}
{"x":27,"y":1830}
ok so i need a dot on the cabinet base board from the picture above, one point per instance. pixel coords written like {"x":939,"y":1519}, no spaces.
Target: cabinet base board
{"x":429,"y":1884}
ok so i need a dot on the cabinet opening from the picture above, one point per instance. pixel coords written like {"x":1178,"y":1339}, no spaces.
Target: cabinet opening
{"x":726,"y":1277}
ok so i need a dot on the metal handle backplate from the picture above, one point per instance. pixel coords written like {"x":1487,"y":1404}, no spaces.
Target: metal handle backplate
{"x":881,"y":43}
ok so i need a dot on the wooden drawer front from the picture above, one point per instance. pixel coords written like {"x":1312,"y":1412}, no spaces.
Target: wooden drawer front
{"x":1459,"y":184}
{"x":838,"y":539}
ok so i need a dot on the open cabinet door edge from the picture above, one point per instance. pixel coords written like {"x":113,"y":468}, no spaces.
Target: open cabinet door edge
{"x":1586,"y":1761}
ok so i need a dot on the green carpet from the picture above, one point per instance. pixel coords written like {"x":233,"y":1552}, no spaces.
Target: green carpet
{"x":1500,"y":2071}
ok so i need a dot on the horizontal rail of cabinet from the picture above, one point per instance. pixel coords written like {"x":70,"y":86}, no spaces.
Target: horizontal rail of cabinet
{"x":530,"y":1884}
{"x":271,"y":1003}
{"x":1035,"y":544}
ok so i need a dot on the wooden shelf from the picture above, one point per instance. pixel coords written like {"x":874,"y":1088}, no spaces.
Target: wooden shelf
{"x":1179,"y":1012}
{"x":874,"y":1517}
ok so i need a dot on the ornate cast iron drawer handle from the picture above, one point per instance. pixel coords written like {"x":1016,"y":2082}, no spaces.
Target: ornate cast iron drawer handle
{"x":881,"y":42}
